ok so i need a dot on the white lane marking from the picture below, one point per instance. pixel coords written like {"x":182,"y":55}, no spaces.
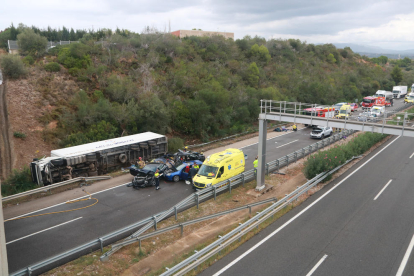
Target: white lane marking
{"x":42,"y":230}
{"x":275,"y":142}
{"x":299,"y":214}
{"x":386,"y":185}
{"x":405,"y":259}
{"x":286,"y":144}
{"x":273,"y":137}
{"x":412,"y":155}
{"x":317,"y":265}
{"x":11,"y":219}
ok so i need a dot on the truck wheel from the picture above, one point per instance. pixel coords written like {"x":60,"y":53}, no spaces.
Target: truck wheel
{"x":176,"y":178}
{"x":123,"y":158}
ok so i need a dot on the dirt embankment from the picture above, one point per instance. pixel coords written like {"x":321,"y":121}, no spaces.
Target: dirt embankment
{"x":6,"y":144}
{"x":29,"y":99}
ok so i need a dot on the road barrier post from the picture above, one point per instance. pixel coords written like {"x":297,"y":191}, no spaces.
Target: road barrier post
{"x":4,"y":268}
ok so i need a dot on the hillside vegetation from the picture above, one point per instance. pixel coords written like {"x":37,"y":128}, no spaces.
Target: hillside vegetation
{"x":200,"y":87}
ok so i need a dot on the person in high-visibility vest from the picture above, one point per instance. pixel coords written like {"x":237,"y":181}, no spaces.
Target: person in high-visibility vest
{"x":196,"y":166}
{"x":294,"y":128}
{"x":255,"y":165}
{"x":157,"y":180}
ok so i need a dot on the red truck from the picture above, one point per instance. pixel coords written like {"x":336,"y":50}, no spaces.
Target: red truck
{"x":320,"y":111}
{"x":369,"y":102}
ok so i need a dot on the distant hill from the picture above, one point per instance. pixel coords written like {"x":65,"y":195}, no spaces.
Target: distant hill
{"x":373,"y":51}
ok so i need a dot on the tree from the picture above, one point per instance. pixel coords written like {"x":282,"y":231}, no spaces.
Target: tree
{"x":31,"y":43}
{"x":253,"y":74}
{"x":396,"y":74}
{"x":12,"y":66}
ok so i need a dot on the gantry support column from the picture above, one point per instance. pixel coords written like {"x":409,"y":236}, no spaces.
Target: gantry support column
{"x":261,"y":169}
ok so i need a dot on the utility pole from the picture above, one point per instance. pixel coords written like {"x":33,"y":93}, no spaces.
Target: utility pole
{"x":4,"y":267}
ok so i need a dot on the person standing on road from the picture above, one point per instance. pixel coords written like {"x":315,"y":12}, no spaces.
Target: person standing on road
{"x":255,"y":165}
{"x":196,"y":166}
{"x":141,"y":163}
{"x":294,"y":127}
{"x":157,"y":180}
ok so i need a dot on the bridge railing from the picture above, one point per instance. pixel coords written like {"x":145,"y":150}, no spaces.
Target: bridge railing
{"x":396,"y":116}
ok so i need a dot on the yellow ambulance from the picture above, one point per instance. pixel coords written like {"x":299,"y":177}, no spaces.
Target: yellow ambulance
{"x":219,"y":167}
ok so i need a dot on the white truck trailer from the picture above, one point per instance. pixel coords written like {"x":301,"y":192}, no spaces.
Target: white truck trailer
{"x":97,"y":158}
{"x":386,"y":94}
{"x":399,"y":91}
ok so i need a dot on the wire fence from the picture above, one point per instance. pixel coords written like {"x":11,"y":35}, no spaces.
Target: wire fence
{"x":193,"y":200}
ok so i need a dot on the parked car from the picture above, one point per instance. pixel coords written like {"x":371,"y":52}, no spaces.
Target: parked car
{"x":354,"y":106}
{"x":178,"y":173}
{"x":320,"y":132}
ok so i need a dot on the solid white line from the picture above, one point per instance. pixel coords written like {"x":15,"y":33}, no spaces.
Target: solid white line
{"x":299,"y":214}
{"x":405,"y":259}
{"x":273,"y":137}
{"x":317,"y":265}
{"x":11,"y":219}
{"x":386,"y":185}
{"x":286,"y":144}
{"x":412,"y":155}
{"x":43,"y":230}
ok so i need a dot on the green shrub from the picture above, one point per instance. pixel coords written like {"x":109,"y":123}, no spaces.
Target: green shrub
{"x":31,"y":43}
{"x":13,"y":66}
{"x":174,"y":144}
{"x":19,"y":181}
{"x":52,"y":67}
{"x":18,"y":134}
{"x":74,"y":72}
{"x":28,"y":60}
{"x":323,"y":161}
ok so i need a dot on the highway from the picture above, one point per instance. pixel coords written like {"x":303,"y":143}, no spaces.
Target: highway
{"x":117,"y":208}
{"x":31,"y":240}
{"x":360,"y":224}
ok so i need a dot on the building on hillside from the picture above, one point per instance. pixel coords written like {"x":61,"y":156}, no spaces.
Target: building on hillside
{"x":13,"y":47}
{"x":185,"y":33}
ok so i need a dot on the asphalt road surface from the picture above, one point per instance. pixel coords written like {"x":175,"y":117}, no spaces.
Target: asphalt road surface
{"x":361,"y":224}
{"x":34,"y":239}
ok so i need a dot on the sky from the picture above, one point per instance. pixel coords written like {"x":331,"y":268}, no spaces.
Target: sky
{"x":387,"y":24}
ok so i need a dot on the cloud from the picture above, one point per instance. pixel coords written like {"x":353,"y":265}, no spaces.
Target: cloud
{"x":319,"y":21}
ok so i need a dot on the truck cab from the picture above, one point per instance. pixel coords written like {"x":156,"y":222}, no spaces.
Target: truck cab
{"x":399,"y":91}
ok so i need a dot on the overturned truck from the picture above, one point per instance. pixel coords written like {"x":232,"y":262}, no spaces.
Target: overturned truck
{"x":97,"y":158}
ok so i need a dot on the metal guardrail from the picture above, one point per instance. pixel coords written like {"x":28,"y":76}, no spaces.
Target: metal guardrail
{"x":197,"y":220}
{"x":200,"y":256}
{"x":191,"y":200}
{"x":46,"y":188}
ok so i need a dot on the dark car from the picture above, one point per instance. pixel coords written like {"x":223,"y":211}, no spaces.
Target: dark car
{"x":145,"y":177}
{"x":189,"y":155}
